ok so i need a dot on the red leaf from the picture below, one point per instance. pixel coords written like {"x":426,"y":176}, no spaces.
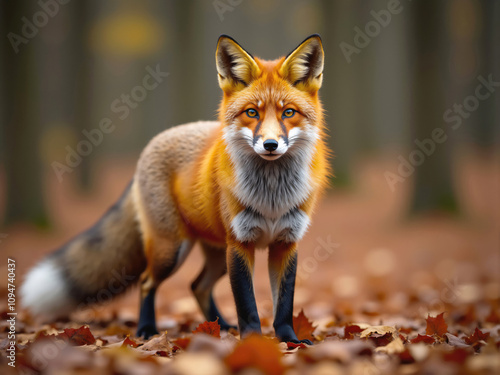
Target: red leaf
{"x":303,"y":327}
{"x":80,"y":336}
{"x":458,"y":355}
{"x":256,"y":352}
{"x":292,"y":345}
{"x":436,"y":326}
{"x":350,"y":330}
{"x":210,"y":328}
{"x":129,"y":342}
{"x":161,"y":353}
{"x":182,"y":342}
{"x":476,"y":337}
{"x":423,"y":338}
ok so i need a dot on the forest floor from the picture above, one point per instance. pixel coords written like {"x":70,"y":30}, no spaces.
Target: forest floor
{"x":378,"y":292}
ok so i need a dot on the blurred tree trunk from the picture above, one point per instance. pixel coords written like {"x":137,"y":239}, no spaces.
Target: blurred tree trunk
{"x":483,"y":133}
{"x":81,"y":74}
{"x":185,"y":68}
{"x":21,"y":123}
{"x":433,"y":183}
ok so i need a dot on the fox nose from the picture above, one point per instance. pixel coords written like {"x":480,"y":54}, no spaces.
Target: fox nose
{"x":270,"y":145}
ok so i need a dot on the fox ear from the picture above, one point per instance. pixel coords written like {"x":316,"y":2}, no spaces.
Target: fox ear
{"x":303,"y":67}
{"x":236,"y":67}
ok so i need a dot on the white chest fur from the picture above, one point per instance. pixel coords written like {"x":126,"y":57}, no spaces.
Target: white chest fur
{"x":251,"y":226}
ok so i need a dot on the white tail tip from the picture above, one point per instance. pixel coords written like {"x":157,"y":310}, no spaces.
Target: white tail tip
{"x":45,"y":291}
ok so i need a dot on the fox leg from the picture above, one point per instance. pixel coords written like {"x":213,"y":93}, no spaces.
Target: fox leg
{"x":164,"y":258}
{"x":240,"y":264}
{"x":213,"y":270}
{"x":282,"y":271}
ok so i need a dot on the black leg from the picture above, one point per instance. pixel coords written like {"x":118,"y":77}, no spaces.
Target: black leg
{"x":240,"y":264}
{"x":147,"y":319}
{"x":282,"y":271}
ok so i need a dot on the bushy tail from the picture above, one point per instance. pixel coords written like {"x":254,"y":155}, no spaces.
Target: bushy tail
{"x":95,"y":266}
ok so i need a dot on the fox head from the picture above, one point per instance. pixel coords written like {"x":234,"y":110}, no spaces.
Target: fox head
{"x":271,"y":108}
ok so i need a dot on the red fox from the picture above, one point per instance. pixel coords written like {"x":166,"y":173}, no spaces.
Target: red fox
{"x":246,"y":182}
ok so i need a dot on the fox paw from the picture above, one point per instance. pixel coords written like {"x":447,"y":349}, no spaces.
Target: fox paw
{"x":147,"y":331}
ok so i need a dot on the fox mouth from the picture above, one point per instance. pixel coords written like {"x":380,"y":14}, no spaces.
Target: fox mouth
{"x":270,"y":156}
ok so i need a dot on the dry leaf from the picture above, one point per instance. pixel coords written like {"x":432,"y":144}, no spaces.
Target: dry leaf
{"x":436,"y":326}
{"x":476,"y":337}
{"x":395,"y":346}
{"x":423,"y":338}
{"x":78,"y":337}
{"x":303,"y":327}
{"x":256,"y":352}
{"x":210,"y":328}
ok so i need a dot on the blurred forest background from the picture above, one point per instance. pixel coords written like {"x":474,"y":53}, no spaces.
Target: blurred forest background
{"x":413,"y":122}
{"x":61,"y":73}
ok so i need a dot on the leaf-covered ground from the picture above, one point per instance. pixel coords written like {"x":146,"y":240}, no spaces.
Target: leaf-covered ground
{"x":376,"y":292}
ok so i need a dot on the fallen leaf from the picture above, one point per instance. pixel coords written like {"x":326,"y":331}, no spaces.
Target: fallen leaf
{"x":129,"y":342}
{"x":181,"y":343}
{"x":395,"y":346}
{"x":379,"y":335}
{"x":405,"y":357}
{"x":256,"y":352}
{"x":351,"y":330}
{"x":210,"y":328}
{"x":458,"y":355}
{"x":78,"y":337}
{"x":436,"y":325}
{"x":476,"y":337}
{"x":423,"y":338}
{"x":303,"y":327}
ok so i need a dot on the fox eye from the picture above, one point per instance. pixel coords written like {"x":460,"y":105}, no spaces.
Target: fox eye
{"x":289,"y":112}
{"x":252,"y":113}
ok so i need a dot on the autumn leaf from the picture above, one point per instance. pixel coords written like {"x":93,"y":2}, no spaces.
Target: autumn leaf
{"x":210,"y":328}
{"x":423,"y":338}
{"x":476,"y":337}
{"x":436,"y":325}
{"x":256,"y":352}
{"x":292,"y":345}
{"x":181,"y":343}
{"x":129,"y":342}
{"x":351,"y":330}
{"x":458,"y":355}
{"x":78,"y":337}
{"x":303,"y":327}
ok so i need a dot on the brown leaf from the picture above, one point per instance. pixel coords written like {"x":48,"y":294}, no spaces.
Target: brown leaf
{"x":476,"y":337}
{"x":423,"y":338}
{"x":256,"y":352}
{"x":129,"y":342}
{"x":181,"y":343}
{"x":78,"y":337}
{"x":210,"y":328}
{"x":436,"y":325}
{"x":458,"y":355}
{"x":303,"y":327}
{"x":351,"y":330}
